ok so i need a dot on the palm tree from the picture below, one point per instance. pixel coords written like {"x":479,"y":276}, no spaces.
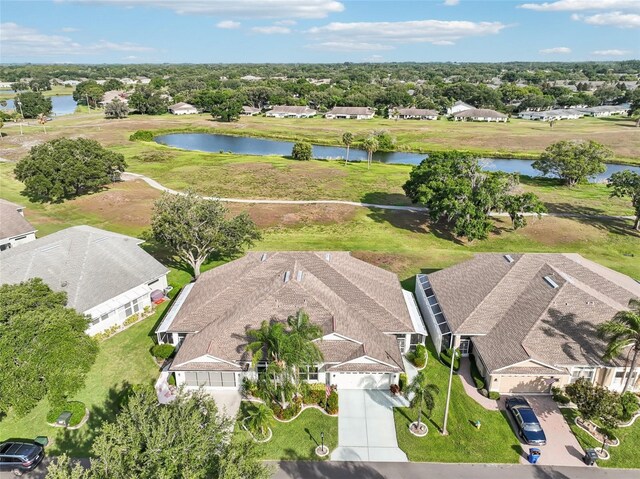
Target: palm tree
{"x":347,"y":139}
{"x":42,"y":119}
{"x":302,"y":351}
{"x":259,"y":418}
{"x":423,"y":394}
{"x":371,"y":145}
{"x":622,"y":332}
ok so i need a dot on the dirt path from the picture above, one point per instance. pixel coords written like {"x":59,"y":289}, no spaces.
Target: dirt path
{"x":154,"y":184}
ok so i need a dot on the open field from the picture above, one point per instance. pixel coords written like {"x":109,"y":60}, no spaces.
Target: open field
{"x":56,"y":90}
{"x":518,"y":138}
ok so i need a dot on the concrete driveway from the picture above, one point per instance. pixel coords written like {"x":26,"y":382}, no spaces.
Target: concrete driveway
{"x":366,"y":427}
{"x":562,"y":448}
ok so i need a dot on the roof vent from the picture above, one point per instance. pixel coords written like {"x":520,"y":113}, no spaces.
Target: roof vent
{"x":551,"y":282}
{"x":299,"y":275}
{"x":263,"y":257}
{"x":287,"y":276}
{"x":509,"y":258}
{"x":327,"y":256}
{"x":49,"y":247}
{"x":64,"y":284}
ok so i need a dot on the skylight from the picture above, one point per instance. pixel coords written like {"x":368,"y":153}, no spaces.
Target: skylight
{"x":551,"y":282}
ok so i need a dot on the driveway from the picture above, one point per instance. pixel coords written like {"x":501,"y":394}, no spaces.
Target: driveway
{"x":366,"y":428}
{"x":562,"y":448}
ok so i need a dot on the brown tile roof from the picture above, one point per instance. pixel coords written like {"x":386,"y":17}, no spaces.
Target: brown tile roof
{"x":12,"y":222}
{"x":519,"y":316}
{"x":340,"y":293}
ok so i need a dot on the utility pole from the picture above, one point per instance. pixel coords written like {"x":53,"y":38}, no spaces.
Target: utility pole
{"x":19,"y":103}
{"x":446,"y":408}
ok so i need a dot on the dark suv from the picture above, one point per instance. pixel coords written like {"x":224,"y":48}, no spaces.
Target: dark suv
{"x":20,"y":455}
{"x":528,"y":425}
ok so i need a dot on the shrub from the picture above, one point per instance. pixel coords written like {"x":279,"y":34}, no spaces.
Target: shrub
{"x":403,"y":381}
{"x":559,"y":396}
{"x":163,"y":351}
{"x":629,"y":405}
{"x":475,"y":374}
{"x":172,"y":379}
{"x":420,"y":356}
{"x":445,"y":357}
{"x":76,"y":408}
{"x":249,"y":387}
{"x":494,"y":395}
{"x":315,"y":394}
{"x":332,"y":403}
{"x":286,"y":414}
{"x":302,"y":151}
{"x":141,"y":135}
{"x":131,"y":319}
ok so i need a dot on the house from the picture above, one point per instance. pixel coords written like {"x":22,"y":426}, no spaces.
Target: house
{"x":351,"y":112}
{"x":552,"y":115}
{"x":605,"y":110}
{"x":182,"y":108}
{"x":459,"y":106}
{"x":480,"y":114}
{"x":368,"y":321}
{"x":250,"y":78}
{"x":111,"y":95}
{"x":529,"y":320}
{"x":413,"y":114}
{"x":106,"y":275}
{"x":285,"y":111}
{"x":14,"y":228}
{"x":250,"y":111}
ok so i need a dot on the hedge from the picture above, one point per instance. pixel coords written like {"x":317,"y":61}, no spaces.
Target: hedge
{"x":445,"y":357}
{"x":163,"y":351}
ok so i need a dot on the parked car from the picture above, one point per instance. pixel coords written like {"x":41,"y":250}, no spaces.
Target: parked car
{"x":20,"y":455}
{"x":526,"y":420}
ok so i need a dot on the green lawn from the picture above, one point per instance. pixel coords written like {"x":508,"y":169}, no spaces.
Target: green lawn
{"x":56,"y":90}
{"x":297,"y":440}
{"x":626,"y":455}
{"x":495,"y":442}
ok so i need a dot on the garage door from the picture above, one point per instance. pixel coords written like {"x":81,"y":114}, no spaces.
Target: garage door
{"x":361,"y":380}
{"x":525,"y":384}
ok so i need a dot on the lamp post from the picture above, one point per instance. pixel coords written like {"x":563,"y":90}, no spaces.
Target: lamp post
{"x":19,"y":103}
{"x":446,"y":407}
{"x":322,"y":441}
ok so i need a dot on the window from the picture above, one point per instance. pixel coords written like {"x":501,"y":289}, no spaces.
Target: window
{"x":309,"y":373}
{"x":416,"y":339}
{"x":133,"y":307}
{"x":583,"y":372}
{"x":401,"y":342}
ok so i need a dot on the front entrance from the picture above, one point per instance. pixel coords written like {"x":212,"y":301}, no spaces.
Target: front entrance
{"x":465,"y":347}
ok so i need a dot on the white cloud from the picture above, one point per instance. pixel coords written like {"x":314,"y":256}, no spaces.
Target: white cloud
{"x":130,"y":57}
{"x":560,"y":50}
{"x":374,"y":58}
{"x":347,"y":46}
{"x":286,"y":23}
{"x":235,"y":8}
{"x":614,"y":19}
{"x":451,"y":3}
{"x":384,"y":35}
{"x":228,"y":24}
{"x":272,"y":30}
{"x":611,"y":53}
{"x":23,"y":42}
{"x":579,"y":5}
{"x":69,"y":29}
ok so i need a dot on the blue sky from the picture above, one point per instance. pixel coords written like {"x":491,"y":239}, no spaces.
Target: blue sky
{"x":238,"y":31}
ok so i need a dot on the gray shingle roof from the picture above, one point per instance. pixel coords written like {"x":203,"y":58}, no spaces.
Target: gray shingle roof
{"x":351,"y":110}
{"x":520,"y":316}
{"x":91,"y":265}
{"x":416,"y":112}
{"x":296,"y":110}
{"x":12,"y":223}
{"x":479,"y":113}
{"x":340,"y":293}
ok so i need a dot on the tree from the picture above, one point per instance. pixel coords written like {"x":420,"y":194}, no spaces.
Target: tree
{"x":88,"y":93}
{"x":423,"y":394}
{"x":518,"y":205}
{"x":197,"y":228}
{"x":347,"y":140}
{"x":43,"y":119}
{"x":44,"y":350}
{"x":370,"y":144}
{"x":622,"y":332}
{"x":116,"y":109}
{"x":302,"y":151}
{"x":573,"y":161}
{"x":627,"y":183}
{"x":147,"y":101}
{"x":40,"y":84}
{"x":259,"y":418}
{"x":1,"y":125}
{"x":592,"y":401}
{"x":227,"y":111}
{"x":63,"y":168}
{"x":113,"y":84}
{"x":186,"y":438}
{"x":64,"y":468}
{"x":31,"y":104}
{"x":454,"y":189}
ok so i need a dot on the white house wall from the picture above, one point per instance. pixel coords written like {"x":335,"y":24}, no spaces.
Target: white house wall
{"x":17,"y":240}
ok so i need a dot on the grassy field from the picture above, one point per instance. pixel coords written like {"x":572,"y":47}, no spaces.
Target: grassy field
{"x":626,"y":455}
{"x":517,"y":138}
{"x":494,"y":442}
{"x":298,"y":439}
{"x":55,"y":91}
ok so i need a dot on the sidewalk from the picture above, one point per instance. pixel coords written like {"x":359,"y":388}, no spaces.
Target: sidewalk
{"x":470,"y":387}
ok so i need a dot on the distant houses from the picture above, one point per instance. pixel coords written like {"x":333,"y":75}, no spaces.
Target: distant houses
{"x":182,"y":108}
{"x":286,"y":111}
{"x":351,"y":113}
{"x":250,"y":111}
{"x":605,"y":110}
{"x":480,"y":114}
{"x":111,"y":95}
{"x":551,"y":115}
{"x":413,"y":114}
{"x":458,"y":107}
{"x":14,"y":228}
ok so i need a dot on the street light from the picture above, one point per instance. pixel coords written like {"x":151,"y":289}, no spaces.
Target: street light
{"x":19,"y":103}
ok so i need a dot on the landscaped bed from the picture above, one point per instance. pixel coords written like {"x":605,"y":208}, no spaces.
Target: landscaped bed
{"x":76,"y":408}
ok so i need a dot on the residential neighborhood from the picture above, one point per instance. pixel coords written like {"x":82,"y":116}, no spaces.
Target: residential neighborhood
{"x":319,"y":239}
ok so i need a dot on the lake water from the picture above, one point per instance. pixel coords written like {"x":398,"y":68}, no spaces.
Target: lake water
{"x":258,"y":146}
{"x":62,"y":105}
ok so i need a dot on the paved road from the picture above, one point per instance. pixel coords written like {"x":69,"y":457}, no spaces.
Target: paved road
{"x":154,"y":184}
{"x":389,"y":470}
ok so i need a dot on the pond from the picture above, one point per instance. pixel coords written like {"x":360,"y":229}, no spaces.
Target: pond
{"x":257,"y":146}
{"x":62,"y":105}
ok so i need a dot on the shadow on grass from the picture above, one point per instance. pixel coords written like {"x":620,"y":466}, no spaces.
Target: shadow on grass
{"x":320,"y":470}
{"x":618,"y":226}
{"x":385,"y":198}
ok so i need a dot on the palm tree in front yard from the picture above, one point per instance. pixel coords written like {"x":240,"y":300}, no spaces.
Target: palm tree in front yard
{"x":622,"y":332}
{"x":423,"y":395}
{"x":259,"y":419}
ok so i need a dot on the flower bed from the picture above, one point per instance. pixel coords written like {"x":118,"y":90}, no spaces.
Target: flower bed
{"x":591,"y":429}
{"x":420,"y":431}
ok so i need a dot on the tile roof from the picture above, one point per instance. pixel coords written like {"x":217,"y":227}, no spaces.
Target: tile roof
{"x":351,"y":110}
{"x":91,"y":265}
{"x":479,"y":113}
{"x":416,"y":112}
{"x":298,"y":110}
{"x":514,"y":313}
{"x":12,"y":222}
{"x":341,"y":294}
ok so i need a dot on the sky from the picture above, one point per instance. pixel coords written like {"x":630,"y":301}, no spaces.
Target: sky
{"x":317,"y":31}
